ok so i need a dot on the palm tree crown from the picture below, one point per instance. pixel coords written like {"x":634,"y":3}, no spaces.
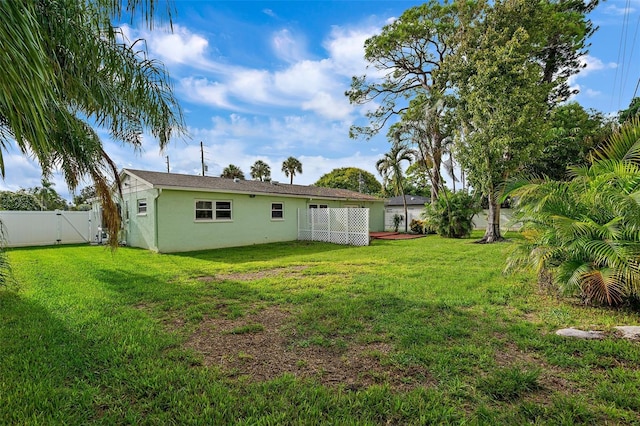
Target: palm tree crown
{"x":65,"y":67}
{"x":291,"y":166}
{"x":232,"y":172}
{"x":390,"y":168}
{"x":261,"y":171}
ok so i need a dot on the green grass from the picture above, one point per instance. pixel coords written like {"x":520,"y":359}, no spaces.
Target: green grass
{"x":94,"y":337}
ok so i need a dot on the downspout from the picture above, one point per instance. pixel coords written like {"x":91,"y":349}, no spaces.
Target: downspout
{"x":155,"y":219}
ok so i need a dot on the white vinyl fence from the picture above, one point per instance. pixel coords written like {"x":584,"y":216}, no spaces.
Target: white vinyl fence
{"x":347,"y":226}
{"x":27,"y":228}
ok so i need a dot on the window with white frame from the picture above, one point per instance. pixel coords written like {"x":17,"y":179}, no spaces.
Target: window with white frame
{"x":277,"y":211}
{"x":223,"y":210}
{"x":318,"y":206}
{"x":204,"y":210}
{"x":142,"y":206}
{"x":213,"y":210}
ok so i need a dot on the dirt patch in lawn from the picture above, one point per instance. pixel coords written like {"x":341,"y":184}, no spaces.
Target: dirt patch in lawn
{"x":257,"y":347}
{"x":552,"y":378}
{"x":256,"y":275}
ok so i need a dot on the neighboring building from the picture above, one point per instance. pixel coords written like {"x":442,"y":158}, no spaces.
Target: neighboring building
{"x":169,"y":212}
{"x":394,"y":205}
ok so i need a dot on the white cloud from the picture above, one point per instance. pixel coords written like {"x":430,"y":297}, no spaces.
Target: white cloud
{"x":591,"y":64}
{"x":592,"y":93}
{"x":328,"y":106}
{"x":612,"y":9}
{"x":201,"y":90}
{"x":181,"y":46}
{"x":287,"y":46}
{"x":346,"y":49}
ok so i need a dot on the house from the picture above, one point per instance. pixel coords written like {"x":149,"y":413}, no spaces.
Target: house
{"x":168,"y":212}
{"x":394,"y":206}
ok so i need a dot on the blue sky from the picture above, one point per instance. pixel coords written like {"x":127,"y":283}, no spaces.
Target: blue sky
{"x":265,"y":80}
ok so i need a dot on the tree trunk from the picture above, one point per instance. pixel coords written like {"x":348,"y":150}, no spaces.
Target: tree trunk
{"x":492,"y":233}
{"x":404,"y":203}
{"x":436,"y":175}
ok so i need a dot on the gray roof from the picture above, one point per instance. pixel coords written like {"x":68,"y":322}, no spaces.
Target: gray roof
{"x":217,"y":184}
{"x":412,"y":200}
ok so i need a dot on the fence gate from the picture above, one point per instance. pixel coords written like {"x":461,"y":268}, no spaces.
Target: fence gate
{"x":29,"y":228}
{"x":339,"y":226}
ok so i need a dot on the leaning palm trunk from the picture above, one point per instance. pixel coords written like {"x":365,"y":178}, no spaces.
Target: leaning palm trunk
{"x":64,"y":64}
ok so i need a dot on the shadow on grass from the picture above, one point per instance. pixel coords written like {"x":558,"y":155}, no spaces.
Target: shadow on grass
{"x":262,"y":252}
{"x":46,"y":368}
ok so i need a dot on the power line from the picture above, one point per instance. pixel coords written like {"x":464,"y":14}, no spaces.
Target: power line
{"x":620,"y":43}
{"x":633,"y":48}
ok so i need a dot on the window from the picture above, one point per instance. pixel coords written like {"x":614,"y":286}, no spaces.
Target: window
{"x":318,"y":206}
{"x":223,"y":210}
{"x":204,"y":210}
{"x":277,"y":211}
{"x":213,"y":210}
{"x":142,"y":206}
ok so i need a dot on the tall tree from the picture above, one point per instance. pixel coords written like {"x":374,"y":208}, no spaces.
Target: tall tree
{"x":261,"y":171}
{"x":291,"y":166}
{"x":351,"y":178}
{"x":48,"y":196}
{"x":506,"y":77}
{"x":572,"y":133}
{"x":20,"y":200}
{"x":232,"y":172}
{"x":390,"y":168}
{"x":66,"y":67}
{"x":633,"y":111}
{"x":430,"y":130}
{"x":409,"y":53}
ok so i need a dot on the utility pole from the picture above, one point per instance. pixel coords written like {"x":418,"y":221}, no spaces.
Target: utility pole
{"x":167,"y":164}
{"x":202,"y":157}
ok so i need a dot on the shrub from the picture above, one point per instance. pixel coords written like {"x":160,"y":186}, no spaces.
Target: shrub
{"x":417,"y":226}
{"x":452,"y":214}
{"x":397,"y":220}
{"x":584,"y":234}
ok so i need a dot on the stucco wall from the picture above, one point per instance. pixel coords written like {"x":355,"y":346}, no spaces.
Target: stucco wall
{"x":480,"y":220}
{"x":413,"y":212}
{"x":139,"y":228}
{"x":177,"y":229}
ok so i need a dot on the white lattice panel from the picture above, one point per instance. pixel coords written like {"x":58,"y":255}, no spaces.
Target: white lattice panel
{"x":338,"y":226}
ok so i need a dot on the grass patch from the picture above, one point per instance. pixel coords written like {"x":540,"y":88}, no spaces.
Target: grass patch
{"x":401,"y":332}
{"x":509,"y":384}
{"x":249,"y":328}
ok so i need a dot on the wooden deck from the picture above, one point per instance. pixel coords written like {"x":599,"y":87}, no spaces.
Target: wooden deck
{"x":393,"y":236}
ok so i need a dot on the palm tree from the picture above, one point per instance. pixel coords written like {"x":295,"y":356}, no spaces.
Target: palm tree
{"x":232,"y":172}
{"x":584,"y":234}
{"x":291,"y":166}
{"x":390,"y":168}
{"x":46,"y":194}
{"x":261,"y":171}
{"x":64,"y":65}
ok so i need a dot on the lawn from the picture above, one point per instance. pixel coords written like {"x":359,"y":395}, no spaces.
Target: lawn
{"x":401,"y":332}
